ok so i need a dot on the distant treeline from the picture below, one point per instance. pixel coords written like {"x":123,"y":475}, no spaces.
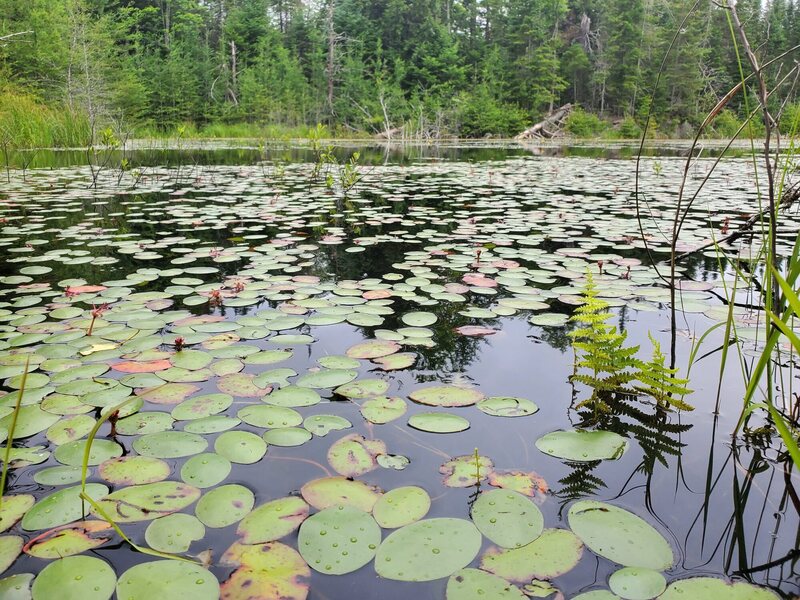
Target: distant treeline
{"x":422,"y":68}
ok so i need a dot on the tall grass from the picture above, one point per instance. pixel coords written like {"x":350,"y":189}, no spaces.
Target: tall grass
{"x":27,"y":123}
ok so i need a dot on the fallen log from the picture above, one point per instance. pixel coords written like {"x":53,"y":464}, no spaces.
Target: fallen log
{"x":389,"y":134}
{"x":549,"y":127}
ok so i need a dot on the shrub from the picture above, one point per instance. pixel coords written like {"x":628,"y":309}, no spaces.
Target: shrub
{"x":479,"y":113}
{"x":629,"y":129}
{"x":583,"y":124}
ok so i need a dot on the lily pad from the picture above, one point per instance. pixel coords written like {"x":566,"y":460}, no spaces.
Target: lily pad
{"x":331,"y":491}
{"x":61,"y":507}
{"x":273,"y":520}
{"x":224,"y":505}
{"x":446,"y":395}
{"x":363,"y":388}
{"x":553,"y":553}
{"x":241,"y":447}
{"x":13,"y":508}
{"x":507,"y":406}
{"x":174,"y":533}
{"x":401,"y":506}
{"x":133,"y":470}
{"x":274,"y":569}
{"x":354,"y":455}
{"x":170,"y":444}
{"x":383,"y":410}
{"x":580,"y":445}
{"x":149,"y":501}
{"x":438,"y":422}
{"x":16,"y":587}
{"x":396,"y":362}
{"x":269,"y":417}
{"x":322,"y":425}
{"x":635,"y":583}
{"x":75,"y":578}
{"x":711,"y":588}
{"x":287,"y":436}
{"x":199,"y":407}
{"x":327,"y":378}
{"x":68,"y":540}
{"x":205,"y":470}
{"x":338,"y":540}
{"x":419,"y":319}
{"x":619,"y":535}
{"x":168,"y":393}
{"x":241,"y":385}
{"x":167,"y":579}
{"x":529,"y":484}
{"x":10,"y":549}
{"x":474,"y":584}
{"x":507,"y":518}
{"x":373,"y":349}
{"x":466,"y":471}
{"x":293,"y":396}
{"x":427,"y":550}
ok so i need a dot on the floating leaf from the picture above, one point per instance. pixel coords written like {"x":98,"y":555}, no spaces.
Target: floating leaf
{"x":619,"y":535}
{"x":507,"y":406}
{"x":396,"y":362}
{"x":711,"y":588}
{"x":339,"y":362}
{"x":241,"y":447}
{"x":354,"y":455}
{"x":61,"y":507}
{"x":273,"y":520}
{"x":293,"y":396}
{"x":507,"y":518}
{"x":275,"y":570}
{"x":331,"y":491}
{"x":75,"y":578}
{"x":327,"y":378}
{"x":133,"y":470}
{"x":553,"y":553}
{"x":473,"y":584}
{"x":475,"y":330}
{"x":363,"y":388}
{"x":67,"y":540}
{"x":174,"y":533}
{"x":401,"y":506}
{"x":634,"y":583}
{"x":466,"y":471}
{"x":338,"y":540}
{"x":427,"y":550}
{"x":167,"y":579}
{"x":529,"y":484}
{"x":170,"y":444}
{"x":322,"y":425}
{"x":446,"y":395}
{"x":149,"y":366}
{"x":224,"y":505}
{"x":419,"y":319}
{"x":270,"y":417}
{"x":199,"y":407}
{"x":16,"y":587}
{"x":13,"y":508}
{"x":205,"y":470}
{"x":149,"y":501}
{"x":10,"y":549}
{"x":241,"y":385}
{"x":438,"y":422}
{"x":287,"y":436}
{"x":168,"y":393}
{"x":383,"y":410}
{"x":373,"y":349}
{"x":580,"y":445}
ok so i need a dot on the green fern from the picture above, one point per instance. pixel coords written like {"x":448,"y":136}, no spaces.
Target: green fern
{"x":660,"y":382}
{"x":602,"y":361}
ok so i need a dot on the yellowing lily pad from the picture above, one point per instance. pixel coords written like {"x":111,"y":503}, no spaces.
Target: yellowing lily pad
{"x":466,"y":471}
{"x":274,"y":569}
{"x":373,"y":349}
{"x":68,"y":540}
{"x":133,"y":470}
{"x":331,"y":491}
{"x":354,"y":455}
{"x":149,"y":501}
{"x":553,"y":553}
{"x":273,"y":520}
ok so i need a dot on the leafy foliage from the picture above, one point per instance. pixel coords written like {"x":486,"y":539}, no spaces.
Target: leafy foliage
{"x":660,"y":382}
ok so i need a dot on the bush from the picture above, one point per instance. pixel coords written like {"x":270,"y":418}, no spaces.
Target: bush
{"x":790,"y":120}
{"x":479,"y":113}
{"x":725,"y":125}
{"x":586,"y":125}
{"x":629,"y":129}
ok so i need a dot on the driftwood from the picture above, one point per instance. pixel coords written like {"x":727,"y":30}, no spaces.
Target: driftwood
{"x":389,"y":134}
{"x":549,"y":127}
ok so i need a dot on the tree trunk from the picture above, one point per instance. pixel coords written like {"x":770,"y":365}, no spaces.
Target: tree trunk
{"x":549,"y":127}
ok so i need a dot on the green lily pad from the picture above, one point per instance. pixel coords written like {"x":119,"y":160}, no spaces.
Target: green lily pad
{"x":224,"y":505}
{"x":205,"y":470}
{"x":383,"y":410}
{"x":507,"y":518}
{"x":10,"y":549}
{"x":167,"y":579}
{"x":30,"y":421}
{"x":338,"y":540}
{"x":553,"y":553}
{"x":339,"y":362}
{"x":619,"y":535}
{"x":61,"y":507}
{"x":580,"y":445}
{"x":293,"y":396}
{"x":373,"y":349}
{"x":174,"y":533}
{"x":507,"y":406}
{"x":148,"y":501}
{"x":419,"y":319}
{"x":363,"y":388}
{"x":70,"y":429}
{"x":241,"y":385}
{"x":273,"y":520}
{"x":269,"y":417}
{"x":16,"y":587}
{"x":75,"y":578}
{"x":427,"y":550}
{"x":170,"y":444}
{"x":474,"y":584}
{"x":133,"y":470}
{"x":199,"y":407}
{"x":241,"y":447}
{"x":446,"y":395}
{"x":287,"y":436}
{"x":68,"y":540}
{"x":711,"y":588}
{"x":354,"y":455}
{"x":396,"y":362}
{"x":401,"y":506}
{"x":331,"y":491}
{"x":322,"y":425}
{"x":327,"y":378}
{"x":59,"y":475}
{"x":214,"y":424}
{"x":278,"y":377}
{"x":268,"y":357}
{"x":274,"y":569}
{"x":13,"y":508}
{"x":168,"y":393}
{"x":145,"y":422}
{"x":634,"y":583}
{"x":192,"y":360}
{"x":466,"y":471}
{"x":438,"y":422}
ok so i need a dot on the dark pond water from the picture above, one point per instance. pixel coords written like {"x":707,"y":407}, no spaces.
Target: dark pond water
{"x":494,"y":237}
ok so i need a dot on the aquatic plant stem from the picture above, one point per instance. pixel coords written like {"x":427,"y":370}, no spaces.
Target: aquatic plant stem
{"x":13,"y":427}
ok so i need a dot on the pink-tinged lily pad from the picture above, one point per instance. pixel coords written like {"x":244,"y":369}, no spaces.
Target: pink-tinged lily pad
{"x":273,"y":520}
{"x":553,"y":553}
{"x":466,"y":471}
{"x":69,"y":539}
{"x":149,"y":501}
{"x":133,"y":470}
{"x":13,"y":508}
{"x":354,"y":455}
{"x":475,"y":330}
{"x":331,"y":491}
{"x":478,"y":280}
{"x":529,"y":484}
{"x":373,"y":349}
{"x":169,"y":393}
{"x":446,"y":395}
{"x":150,"y":366}
{"x":270,"y":571}
{"x":241,"y":385}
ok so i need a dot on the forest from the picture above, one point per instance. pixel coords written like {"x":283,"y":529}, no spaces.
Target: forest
{"x":467,"y":68}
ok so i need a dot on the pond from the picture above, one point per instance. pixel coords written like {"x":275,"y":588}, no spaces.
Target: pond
{"x":292,"y":391}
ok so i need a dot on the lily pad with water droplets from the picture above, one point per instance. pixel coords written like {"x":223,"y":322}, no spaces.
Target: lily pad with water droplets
{"x":293,"y":396}
{"x":363,"y":388}
{"x":75,"y":578}
{"x":428,"y":550}
{"x":168,"y":393}
{"x":241,"y":447}
{"x":174,"y":533}
{"x":269,"y":417}
{"x":474,"y":584}
{"x":273,"y":520}
{"x":274,"y":569}
{"x":338,"y":540}
{"x":507,"y":518}
{"x":10,"y":549}
{"x":133,"y":470}
{"x":383,"y":410}
{"x":149,"y":501}
{"x":466,"y":471}
{"x":619,"y":535}
{"x":354,"y":455}
{"x":224,"y":505}
{"x":373,"y":349}
{"x":330,"y":491}
{"x":711,"y":588}
{"x":68,"y":540}
{"x":401,"y":506}
{"x":635,"y":583}
{"x":16,"y":587}
{"x":61,"y":507}
{"x":553,"y":553}
{"x":199,"y":407}
{"x":433,"y":422}
{"x":241,"y":385}
{"x":13,"y":508}
{"x":507,"y":406}
{"x":170,"y":444}
{"x":446,"y":395}
{"x":205,"y":470}
{"x":419,"y":319}
{"x":322,"y":425}
{"x":287,"y":436}
{"x":327,"y":378}
{"x":396,"y":362}
{"x":529,"y":484}
{"x":580,"y":445}
{"x":167,"y":579}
